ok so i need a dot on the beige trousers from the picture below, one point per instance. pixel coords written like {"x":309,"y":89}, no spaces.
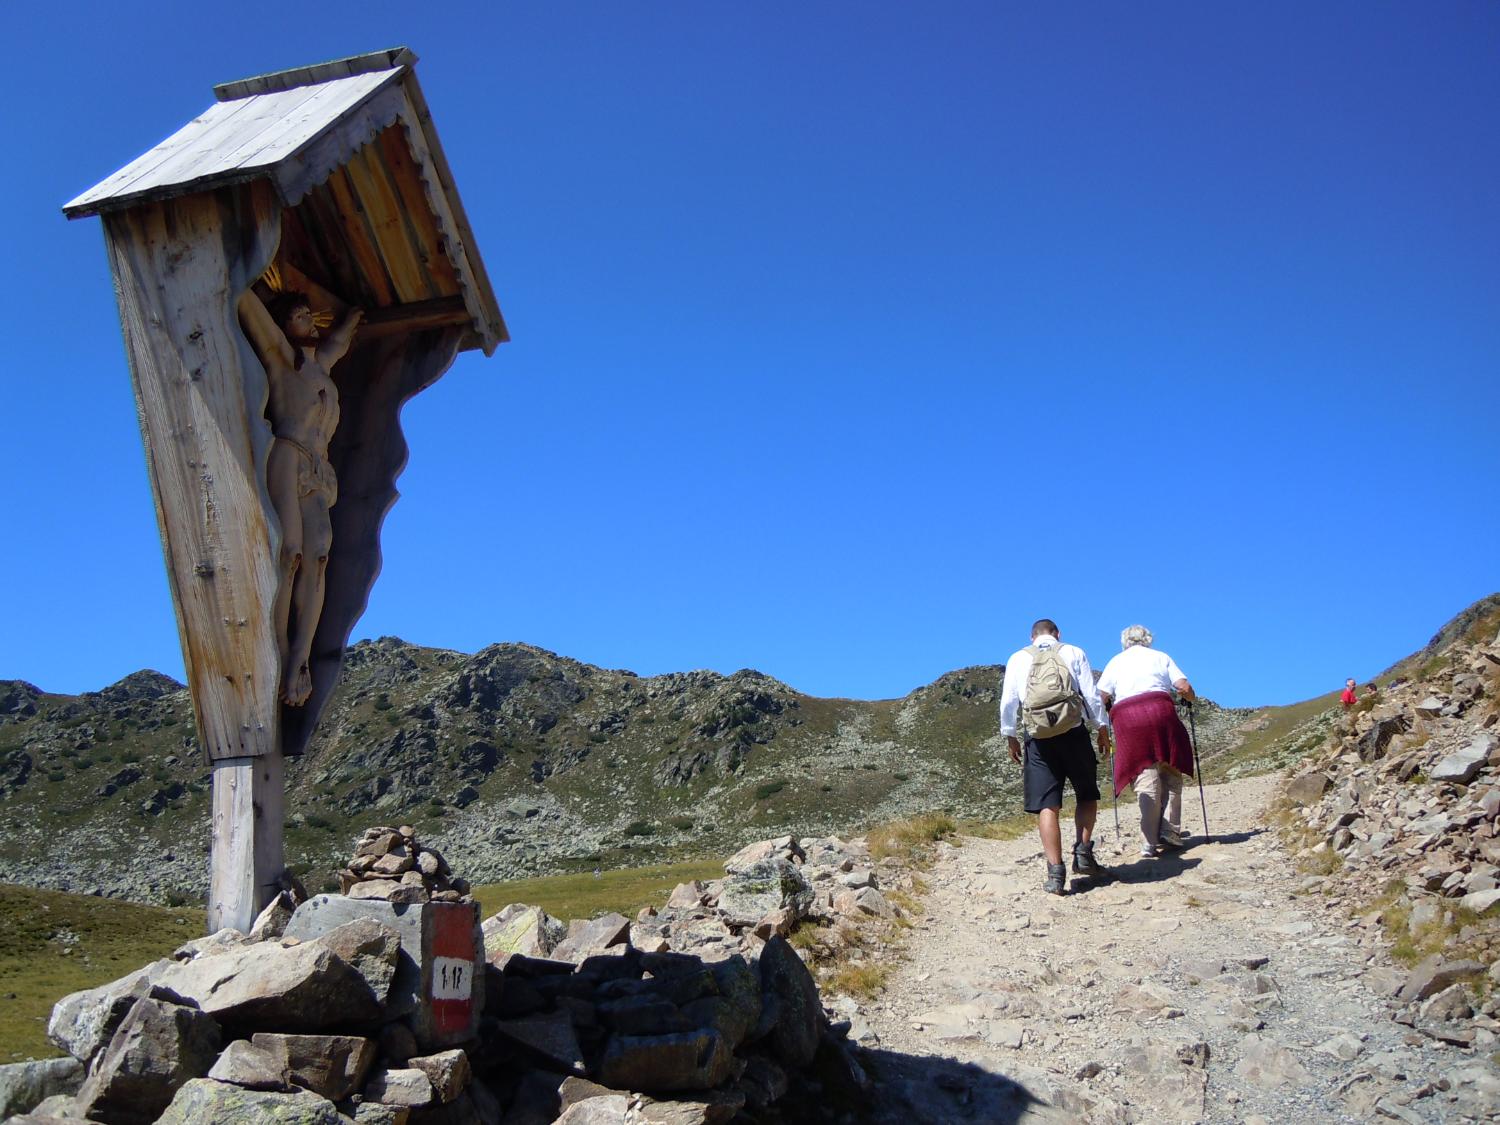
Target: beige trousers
{"x":1158,"y":791}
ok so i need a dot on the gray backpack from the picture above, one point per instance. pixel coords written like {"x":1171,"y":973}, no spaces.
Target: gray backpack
{"x":1049,"y":706}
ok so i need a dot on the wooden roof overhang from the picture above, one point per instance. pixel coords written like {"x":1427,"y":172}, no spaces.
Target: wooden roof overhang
{"x":369,"y":202}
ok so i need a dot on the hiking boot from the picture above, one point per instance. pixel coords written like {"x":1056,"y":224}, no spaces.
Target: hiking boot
{"x":1084,"y":862}
{"x":1171,"y":841}
{"x":1057,"y":879}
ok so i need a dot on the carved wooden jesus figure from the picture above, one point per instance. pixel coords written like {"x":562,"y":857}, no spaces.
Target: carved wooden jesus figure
{"x":303,"y":410}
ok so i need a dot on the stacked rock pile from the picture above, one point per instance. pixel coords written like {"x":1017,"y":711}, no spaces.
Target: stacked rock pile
{"x":704,"y":994}
{"x":770,"y":888}
{"x":1403,"y":806}
{"x":696,"y":1014}
{"x":390,"y":865}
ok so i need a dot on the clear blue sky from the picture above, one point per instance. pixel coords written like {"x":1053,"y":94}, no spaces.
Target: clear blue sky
{"x":849,"y":337}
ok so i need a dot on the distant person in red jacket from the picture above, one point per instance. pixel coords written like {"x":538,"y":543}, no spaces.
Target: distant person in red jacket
{"x":1348,"y":697}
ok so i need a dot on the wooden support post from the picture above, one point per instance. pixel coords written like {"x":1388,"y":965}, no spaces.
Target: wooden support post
{"x":247,"y":839}
{"x":180,"y":266}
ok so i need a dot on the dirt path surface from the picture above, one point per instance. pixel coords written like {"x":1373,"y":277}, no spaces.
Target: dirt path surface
{"x":1198,"y":987}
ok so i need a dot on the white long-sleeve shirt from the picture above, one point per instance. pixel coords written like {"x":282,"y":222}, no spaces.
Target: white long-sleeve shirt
{"x":1018,"y":668}
{"x":1137,"y":670}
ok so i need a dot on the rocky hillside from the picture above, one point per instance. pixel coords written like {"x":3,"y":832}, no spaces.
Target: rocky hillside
{"x":513,"y":761}
{"x":1397,"y":814}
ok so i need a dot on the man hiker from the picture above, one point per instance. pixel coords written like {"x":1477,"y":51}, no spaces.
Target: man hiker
{"x":1048,"y":689}
{"x":1347,"y":697}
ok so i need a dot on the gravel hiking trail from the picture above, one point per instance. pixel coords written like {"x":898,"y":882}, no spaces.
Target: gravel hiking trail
{"x":1196,"y":987}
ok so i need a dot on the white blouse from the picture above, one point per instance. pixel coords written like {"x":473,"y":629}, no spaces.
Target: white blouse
{"x":1137,"y":670}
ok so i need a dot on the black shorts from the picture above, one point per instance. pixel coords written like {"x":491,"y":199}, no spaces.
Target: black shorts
{"x":1049,"y":761}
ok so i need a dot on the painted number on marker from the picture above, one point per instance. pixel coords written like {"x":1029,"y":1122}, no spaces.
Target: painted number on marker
{"x":452,"y":979}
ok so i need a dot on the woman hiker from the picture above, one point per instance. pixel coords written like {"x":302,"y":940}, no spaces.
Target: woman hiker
{"x":1152,"y":750}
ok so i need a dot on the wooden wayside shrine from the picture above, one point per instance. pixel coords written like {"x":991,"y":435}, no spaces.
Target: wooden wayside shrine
{"x":327,"y":180}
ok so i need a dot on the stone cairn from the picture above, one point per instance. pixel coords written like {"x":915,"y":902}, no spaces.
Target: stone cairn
{"x":1401,"y":808}
{"x":699,"y":1013}
{"x":391,"y":866}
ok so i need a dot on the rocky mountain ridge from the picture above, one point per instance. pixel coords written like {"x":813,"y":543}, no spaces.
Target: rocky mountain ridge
{"x":514,"y":761}
{"x":517,"y":761}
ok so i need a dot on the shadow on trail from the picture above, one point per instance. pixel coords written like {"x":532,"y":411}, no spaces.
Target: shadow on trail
{"x":1163,"y":867}
{"x":1146,"y":870}
{"x":931,"y":1090}
{"x":1229,"y":837}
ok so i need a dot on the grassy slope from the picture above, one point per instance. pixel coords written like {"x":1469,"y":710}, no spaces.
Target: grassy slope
{"x":588,"y":895}
{"x":52,"y":944}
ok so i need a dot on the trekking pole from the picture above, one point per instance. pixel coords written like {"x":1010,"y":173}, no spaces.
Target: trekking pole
{"x":1115,"y":789}
{"x":1197,"y":769}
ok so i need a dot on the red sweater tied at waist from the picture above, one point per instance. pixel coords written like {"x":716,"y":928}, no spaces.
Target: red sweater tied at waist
{"x":1148,"y":731}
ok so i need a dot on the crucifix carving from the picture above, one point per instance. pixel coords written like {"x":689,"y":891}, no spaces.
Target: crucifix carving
{"x":272,"y":445}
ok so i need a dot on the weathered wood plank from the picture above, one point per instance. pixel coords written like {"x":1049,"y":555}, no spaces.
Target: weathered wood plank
{"x":246,"y":826}
{"x":331,"y":109}
{"x":425,"y":236}
{"x":320,"y":72}
{"x":179,"y":267}
{"x":232,"y":142}
{"x":383,"y":212}
{"x":318,"y":216}
{"x":187,"y":138}
{"x":199,"y":150}
{"x":359,"y":239}
{"x":336,"y":147}
{"x":440,"y":201}
{"x":439,"y":312}
{"x":243,"y":129}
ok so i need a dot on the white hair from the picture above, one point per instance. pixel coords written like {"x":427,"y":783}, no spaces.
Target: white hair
{"x":1135,"y":635}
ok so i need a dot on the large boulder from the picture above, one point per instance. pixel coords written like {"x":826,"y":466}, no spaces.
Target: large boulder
{"x":82,"y":1022}
{"x":1462,"y":765}
{"x":23,"y":1085}
{"x":754,"y":890}
{"x":688,"y":1060}
{"x":786,"y":847}
{"x":371,"y":948}
{"x":712,"y":1107}
{"x":271,"y":922}
{"x":607,"y":1109}
{"x":592,"y":936}
{"x":332,"y":1066}
{"x":301,"y":988}
{"x":405,"y":1086}
{"x":733,"y":1007}
{"x":254,"y":1068}
{"x":1372,"y":744}
{"x":448,"y":1071}
{"x":1307,"y":788}
{"x":1435,"y":974}
{"x":790,"y":996}
{"x":158,"y":1047}
{"x":549,"y":1036}
{"x":523,"y":929}
{"x":203,"y":1101}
